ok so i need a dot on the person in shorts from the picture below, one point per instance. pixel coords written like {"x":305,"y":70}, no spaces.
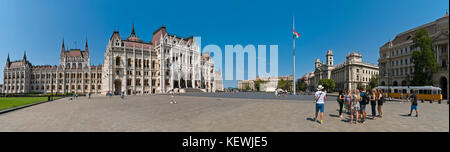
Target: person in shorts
{"x":320,"y":97}
{"x":355,"y":107}
{"x":413,"y":103}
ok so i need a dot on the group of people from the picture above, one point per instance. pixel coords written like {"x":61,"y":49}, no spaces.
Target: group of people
{"x":354,"y":102}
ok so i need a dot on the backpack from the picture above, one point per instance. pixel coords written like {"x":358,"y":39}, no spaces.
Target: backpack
{"x":366,"y":98}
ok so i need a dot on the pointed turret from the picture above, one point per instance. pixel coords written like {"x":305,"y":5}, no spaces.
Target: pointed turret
{"x":63,"y":49}
{"x":132,"y":30}
{"x":133,"y":36}
{"x":24,"y":56}
{"x":87,"y":49}
{"x":8,"y":62}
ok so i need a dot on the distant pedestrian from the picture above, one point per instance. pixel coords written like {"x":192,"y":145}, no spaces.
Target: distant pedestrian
{"x":122,"y":95}
{"x":407,"y":97}
{"x":413,"y":103}
{"x":381,"y":100}
{"x":89,"y":95}
{"x":373,"y":103}
{"x":320,"y":97}
{"x":172,"y":97}
{"x":341,"y":100}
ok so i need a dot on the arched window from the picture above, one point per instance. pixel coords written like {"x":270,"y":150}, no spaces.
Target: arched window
{"x":117,"y":61}
{"x":80,"y":65}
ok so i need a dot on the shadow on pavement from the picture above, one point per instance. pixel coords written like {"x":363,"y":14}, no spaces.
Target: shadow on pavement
{"x":310,"y":119}
{"x":334,"y":115}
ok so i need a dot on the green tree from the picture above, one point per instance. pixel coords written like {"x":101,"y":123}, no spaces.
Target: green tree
{"x":359,"y":85}
{"x":247,"y":87}
{"x":301,"y":85}
{"x":328,"y":84}
{"x":373,"y":82}
{"x":285,"y":84}
{"x":258,"y":84}
{"x":425,"y":64}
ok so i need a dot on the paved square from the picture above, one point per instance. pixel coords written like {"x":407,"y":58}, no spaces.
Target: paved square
{"x":212,"y":113}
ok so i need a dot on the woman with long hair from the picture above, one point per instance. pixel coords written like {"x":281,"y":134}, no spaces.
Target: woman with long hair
{"x":380,"y":103}
{"x":373,"y":103}
{"x":355,"y":107}
{"x":340,"y":100}
{"x":348,"y":99}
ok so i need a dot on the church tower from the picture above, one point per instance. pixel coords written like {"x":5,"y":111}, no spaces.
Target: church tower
{"x":329,"y":58}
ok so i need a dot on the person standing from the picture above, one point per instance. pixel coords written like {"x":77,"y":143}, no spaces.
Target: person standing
{"x":320,"y":97}
{"x":373,"y":103}
{"x":362,"y":103}
{"x":172,"y":97}
{"x":355,"y":107}
{"x":348,"y":100}
{"x":381,"y":100}
{"x":407,"y":96}
{"x":340,"y":101}
{"x":413,"y":103}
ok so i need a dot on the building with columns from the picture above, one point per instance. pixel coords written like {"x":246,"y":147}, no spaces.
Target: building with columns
{"x":131,"y":66}
{"x":346,"y":75}
{"x":396,"y":63}
{"x":166,"y":62}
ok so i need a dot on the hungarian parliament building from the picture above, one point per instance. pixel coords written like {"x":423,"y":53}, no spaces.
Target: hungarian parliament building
{"x":131,"y":66}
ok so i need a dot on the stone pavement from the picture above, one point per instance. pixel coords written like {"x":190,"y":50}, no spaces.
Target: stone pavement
{"x":193,"y":113}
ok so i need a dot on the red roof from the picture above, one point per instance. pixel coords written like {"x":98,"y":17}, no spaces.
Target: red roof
{"x":74,"y":53}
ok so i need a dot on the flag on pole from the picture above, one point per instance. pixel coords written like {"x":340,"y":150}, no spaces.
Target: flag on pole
{"x":296,"y":35}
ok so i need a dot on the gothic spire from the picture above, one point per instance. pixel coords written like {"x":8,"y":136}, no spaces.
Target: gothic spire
{"x":8,"y":61}
{"x":87,"y":49}
{"x":132,"y":30}
{"x":63,"y":49}
{"x":24,"y":55}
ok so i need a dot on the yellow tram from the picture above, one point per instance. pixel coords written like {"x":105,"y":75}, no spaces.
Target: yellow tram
{"x":427,"y":93}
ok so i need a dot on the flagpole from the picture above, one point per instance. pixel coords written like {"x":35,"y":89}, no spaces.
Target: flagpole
{"x":293,"y":39}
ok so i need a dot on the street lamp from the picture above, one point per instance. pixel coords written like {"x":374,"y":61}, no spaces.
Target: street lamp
{"x":51,"y":99}
{"x":389,"y":62}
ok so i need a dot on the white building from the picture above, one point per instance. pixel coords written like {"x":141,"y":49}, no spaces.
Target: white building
{"x":131,"y":66}
{"x":73,"y":75}
{"x":165,"y":63}
{"x":346,"y":75}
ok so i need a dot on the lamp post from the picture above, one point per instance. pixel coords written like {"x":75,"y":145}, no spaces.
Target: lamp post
{"x":390,"y":69}
{"x":51,"y":99}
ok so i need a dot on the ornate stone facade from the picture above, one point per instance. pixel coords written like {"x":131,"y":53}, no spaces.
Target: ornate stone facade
{"x":165,"y":63}
{"x":131,"y":66}
{"x":73,"y":75}
{"x":346,"y":75}
{"x":396,"y":63}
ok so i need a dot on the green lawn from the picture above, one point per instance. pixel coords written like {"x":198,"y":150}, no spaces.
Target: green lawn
{"x":10,"y":102}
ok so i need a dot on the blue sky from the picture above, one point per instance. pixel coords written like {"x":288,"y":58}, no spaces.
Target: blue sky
{"x":39,"y":26}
